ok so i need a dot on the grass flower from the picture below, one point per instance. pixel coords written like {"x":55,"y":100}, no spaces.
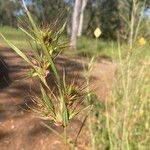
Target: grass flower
{"x":49,"y":106}
{"x":142,"y":41}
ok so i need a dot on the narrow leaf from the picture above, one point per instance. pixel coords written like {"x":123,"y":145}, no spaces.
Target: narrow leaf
{"x":75,"y":113}
{"x":61,"y":30}
{"x":28,"y":34}
{"x":47,"y":100}
{"x":30,"y":18}
{"x":18,"y":51}
{"x":83,"y":123}
{"x":65,"y":114}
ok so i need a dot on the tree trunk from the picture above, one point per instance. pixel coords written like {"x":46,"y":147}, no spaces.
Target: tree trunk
{"x":84,"y":2}
{"x":69,"y":25}
{"x":75,"y":23}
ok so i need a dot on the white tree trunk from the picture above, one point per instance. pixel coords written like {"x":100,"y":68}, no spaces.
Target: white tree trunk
{"x":69,"y":27}
{"x":75,"y":23}
{"x":84,"y":2}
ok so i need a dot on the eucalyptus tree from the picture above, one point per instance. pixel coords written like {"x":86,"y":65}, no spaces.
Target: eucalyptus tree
{"x":75,"y":23}
{"x":81,"y":18}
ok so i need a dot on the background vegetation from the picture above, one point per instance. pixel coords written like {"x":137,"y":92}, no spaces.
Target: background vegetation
{"x":112,"y":17}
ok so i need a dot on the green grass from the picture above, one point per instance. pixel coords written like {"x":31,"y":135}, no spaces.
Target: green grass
{"x":15,"y":36}
{"x":91,"y":46}
{"x":109,"y":49}
{"x":85,"y":47}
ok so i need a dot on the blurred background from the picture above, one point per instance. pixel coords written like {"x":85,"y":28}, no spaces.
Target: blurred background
{"x":82,"y":17}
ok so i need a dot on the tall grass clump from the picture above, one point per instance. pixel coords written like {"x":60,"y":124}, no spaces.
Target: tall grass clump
{"x":122,"y":120}
{"x":64,"y":102}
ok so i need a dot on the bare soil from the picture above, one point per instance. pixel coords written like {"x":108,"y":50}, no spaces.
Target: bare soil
{"x":20,"y":129}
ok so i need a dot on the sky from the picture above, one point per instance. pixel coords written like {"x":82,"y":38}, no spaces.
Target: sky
{"x":27,"y":1}
{"x":147,"y":12}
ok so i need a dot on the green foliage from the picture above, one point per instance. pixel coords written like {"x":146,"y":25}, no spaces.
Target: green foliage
{"x":8,"y":12}
{"x":103,"y":14}
{"x":86,"y":46}
{"x":109,"y":18}
{"x":47,"y":11}
{"x":90,"y":47}
{"x":113,"y":17}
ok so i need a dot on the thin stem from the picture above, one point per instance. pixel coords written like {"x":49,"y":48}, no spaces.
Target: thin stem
{"x":65,"y":137}
{"x":54,"y":131}
{"x":96,"y":44}
{"x":108,"y":126}
{"x":80,"y":129}
{"x":91,"y":133}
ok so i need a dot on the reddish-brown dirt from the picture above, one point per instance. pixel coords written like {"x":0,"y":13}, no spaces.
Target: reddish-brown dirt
{"x":21,"y":129}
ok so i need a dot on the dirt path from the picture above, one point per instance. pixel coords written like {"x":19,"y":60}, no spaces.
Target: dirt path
{"x":20,"y":129}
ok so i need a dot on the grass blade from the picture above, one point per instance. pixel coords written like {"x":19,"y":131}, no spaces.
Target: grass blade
{"x":53,"y":130}
{"x":18,"y":51}
{"x":30,"y":18}
{"x":28,"y":34}
{"x":65,"y":115}
{"x":47,"y":100}
{"x":75,"y":113}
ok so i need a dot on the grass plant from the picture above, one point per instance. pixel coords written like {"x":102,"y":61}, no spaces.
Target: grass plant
{"x":63,"y":103}
{"x":122,"y":121}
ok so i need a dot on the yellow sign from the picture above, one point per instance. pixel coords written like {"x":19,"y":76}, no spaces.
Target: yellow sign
{"x":97,"y":32}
